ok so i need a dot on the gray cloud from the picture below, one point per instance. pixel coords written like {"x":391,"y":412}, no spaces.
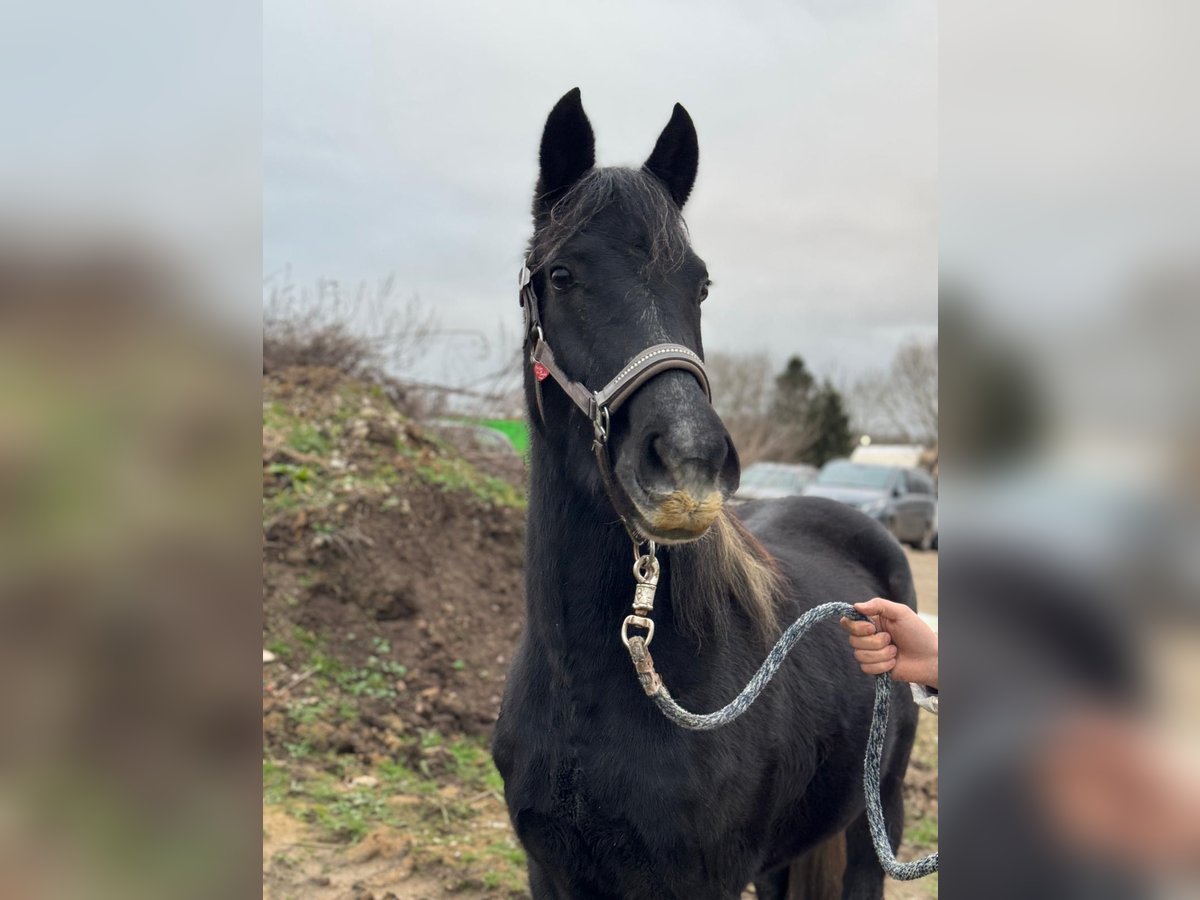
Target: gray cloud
{"x":404,"y":140}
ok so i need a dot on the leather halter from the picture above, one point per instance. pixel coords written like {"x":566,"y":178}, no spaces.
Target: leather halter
{"x":600,"y":405}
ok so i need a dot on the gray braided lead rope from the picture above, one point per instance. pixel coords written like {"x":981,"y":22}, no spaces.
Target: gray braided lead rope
{"x":901,"y":871}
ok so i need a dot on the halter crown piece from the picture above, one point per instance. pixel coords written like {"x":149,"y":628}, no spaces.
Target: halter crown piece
{"x":600,"y":405}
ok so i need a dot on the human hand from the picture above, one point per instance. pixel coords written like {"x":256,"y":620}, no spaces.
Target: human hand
{"x":894,"y":640}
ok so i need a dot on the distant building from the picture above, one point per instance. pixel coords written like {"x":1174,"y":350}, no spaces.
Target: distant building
{"x":909,"y":456}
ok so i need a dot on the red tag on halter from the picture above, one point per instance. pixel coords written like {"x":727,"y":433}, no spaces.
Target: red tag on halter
{"x":540,"y":372}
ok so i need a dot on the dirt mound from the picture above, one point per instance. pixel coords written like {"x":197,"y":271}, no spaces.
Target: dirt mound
{"x":392,"y":574}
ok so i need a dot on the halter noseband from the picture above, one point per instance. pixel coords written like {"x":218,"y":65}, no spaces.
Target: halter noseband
{"x":599,"y":405}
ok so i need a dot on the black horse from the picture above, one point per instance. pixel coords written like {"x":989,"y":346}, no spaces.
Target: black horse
{"x":608,"y":797}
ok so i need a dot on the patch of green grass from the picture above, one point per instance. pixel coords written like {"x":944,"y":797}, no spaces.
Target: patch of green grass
{"x":306,"y":437}
{"x":923,"y":832}
{"x":300,"y":486}
{"x":350,"y":815}
{"x":508,"y":851}
{"x":456,"y":474}
{"x":398,"y":777}
{"x":377,"y":680}
{"x":282,"y":649}
{"x":507,"y":867}
{"x":276,"y":782}
{"x":298,"y":750}
{"x":326,"y":666}
{"x":296,"y":473}
{"x":315,"y":488}
{"x":305,"y":637}
{"x":307,"y":713}
{"x":443,"y":823}
{"x":276,"y":417}
{"x":473,"y":765}
{"x":321,"y":798}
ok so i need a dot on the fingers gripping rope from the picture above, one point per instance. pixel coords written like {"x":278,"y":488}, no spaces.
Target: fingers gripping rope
{"x":644,"y":665}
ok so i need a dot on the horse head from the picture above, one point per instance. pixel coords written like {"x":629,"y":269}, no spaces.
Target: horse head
{"x":613,"y":273}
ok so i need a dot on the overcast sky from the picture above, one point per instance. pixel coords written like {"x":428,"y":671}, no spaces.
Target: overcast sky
{"x":402,"y":139}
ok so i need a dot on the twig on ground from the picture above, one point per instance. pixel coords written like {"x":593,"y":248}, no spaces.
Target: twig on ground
{"x":302,"y":677}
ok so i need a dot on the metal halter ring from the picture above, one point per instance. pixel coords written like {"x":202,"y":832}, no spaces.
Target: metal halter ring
{"x":646,"y":568}
{"x":640,"y":622}
{"x":638,"y":555}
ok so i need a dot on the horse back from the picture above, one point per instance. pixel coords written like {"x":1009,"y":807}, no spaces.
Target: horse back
{"x":830,"y":551}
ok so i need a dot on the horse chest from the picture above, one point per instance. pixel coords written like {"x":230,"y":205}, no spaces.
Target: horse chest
{"x":586,"y":771}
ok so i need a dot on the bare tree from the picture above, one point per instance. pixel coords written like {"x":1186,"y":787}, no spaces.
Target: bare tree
{"x":902,"y":401}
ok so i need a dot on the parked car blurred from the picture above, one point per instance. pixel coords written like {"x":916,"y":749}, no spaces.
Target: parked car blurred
{"x":770,"y":480}
{"x":903,"y":499}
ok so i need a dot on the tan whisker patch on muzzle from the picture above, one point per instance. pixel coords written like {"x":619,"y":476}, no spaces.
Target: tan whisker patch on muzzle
{"x":681,"y":511}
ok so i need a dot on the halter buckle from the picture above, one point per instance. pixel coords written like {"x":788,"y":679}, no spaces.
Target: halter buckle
{"x":600,"y":423}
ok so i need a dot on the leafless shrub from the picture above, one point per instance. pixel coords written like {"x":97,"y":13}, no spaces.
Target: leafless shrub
{"x":743,"y":387}
{"x":901,"y":402}
{"x":363,"y":331}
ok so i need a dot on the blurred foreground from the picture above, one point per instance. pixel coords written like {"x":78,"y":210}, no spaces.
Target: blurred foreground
{"x":128,"y":572}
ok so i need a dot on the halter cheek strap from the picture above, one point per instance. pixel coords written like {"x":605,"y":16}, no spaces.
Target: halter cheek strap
{"x":600,"y":405}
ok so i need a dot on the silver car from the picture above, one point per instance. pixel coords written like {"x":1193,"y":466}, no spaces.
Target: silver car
{"x":902,"y":499}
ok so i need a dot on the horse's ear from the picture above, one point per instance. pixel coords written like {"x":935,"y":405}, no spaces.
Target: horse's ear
{"x":568,"y":149}
{"x":676,"y":155}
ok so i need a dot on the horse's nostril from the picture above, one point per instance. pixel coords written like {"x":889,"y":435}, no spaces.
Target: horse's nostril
{"x":673,"y":462}
{"x":731,"y":468}
{"x":654,"y":466}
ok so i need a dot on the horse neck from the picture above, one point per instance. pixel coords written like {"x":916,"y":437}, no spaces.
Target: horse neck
{"x":579,"y":560}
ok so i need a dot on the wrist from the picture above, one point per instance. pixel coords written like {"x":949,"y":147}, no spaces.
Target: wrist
{"x":930,"y":678}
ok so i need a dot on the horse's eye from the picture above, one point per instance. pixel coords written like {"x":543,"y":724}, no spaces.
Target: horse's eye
{"x":704,"y":291}
{"x":560,"y":278}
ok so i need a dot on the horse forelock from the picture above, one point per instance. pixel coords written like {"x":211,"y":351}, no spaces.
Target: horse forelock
{"x":642,"y":200}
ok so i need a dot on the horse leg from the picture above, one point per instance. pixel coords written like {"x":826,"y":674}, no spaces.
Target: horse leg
{"x":817,"y":875}
{"x":540,"y":885}
{"x":864,"y":876}
{"x":773,"y":885}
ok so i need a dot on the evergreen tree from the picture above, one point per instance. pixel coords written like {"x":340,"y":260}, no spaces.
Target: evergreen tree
{"x":793,"y":393}
{"x":814,"y":415}
{"x":829,"y":425}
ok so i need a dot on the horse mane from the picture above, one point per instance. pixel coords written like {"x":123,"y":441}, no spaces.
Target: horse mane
{"x":726,"y":564}
{"x":642,"y":199}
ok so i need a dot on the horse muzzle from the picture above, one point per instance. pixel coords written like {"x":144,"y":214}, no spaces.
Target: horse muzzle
{"x":679,"y":476}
